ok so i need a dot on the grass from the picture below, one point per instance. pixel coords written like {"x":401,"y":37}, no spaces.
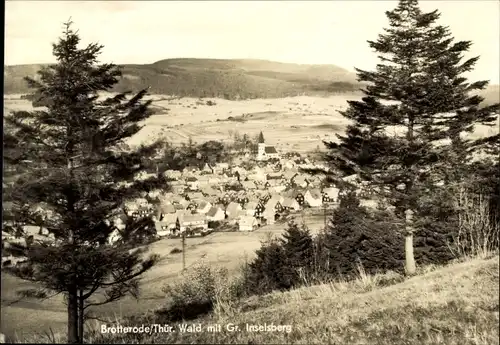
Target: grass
{"x":225,"y":249}
{"x":455,"y":304}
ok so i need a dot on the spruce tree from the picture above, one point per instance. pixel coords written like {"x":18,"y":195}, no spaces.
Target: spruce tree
{"x":75,"y":164}
{"x":356,"y":236}
{"x":416,"y":100}
{"x":298,"y":249}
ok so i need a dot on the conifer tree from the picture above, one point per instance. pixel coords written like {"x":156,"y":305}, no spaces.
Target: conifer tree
{"x":74,"y":162}
{"x":298,"y":249}
{"x":417,"y":89}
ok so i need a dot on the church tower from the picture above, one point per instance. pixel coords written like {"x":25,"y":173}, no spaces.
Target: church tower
{"x":261,"y":148}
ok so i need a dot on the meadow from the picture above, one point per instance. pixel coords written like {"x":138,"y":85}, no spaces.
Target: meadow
{"x":229,"y":249}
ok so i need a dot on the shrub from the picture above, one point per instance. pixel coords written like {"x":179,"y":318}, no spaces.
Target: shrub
{"x":200,"y":289}
{"x":214,"y":224}
{"x":176,"y":251}
{"x":477,"y":233}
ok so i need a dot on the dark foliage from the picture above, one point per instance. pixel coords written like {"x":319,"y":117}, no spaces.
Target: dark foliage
{"x":282,"y":264}
{"x":356,"y":237}
{"x":74,"y":162}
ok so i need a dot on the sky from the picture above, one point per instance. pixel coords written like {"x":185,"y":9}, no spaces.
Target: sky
{"x":306,"y":32}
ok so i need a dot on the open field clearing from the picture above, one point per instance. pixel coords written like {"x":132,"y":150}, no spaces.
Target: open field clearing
{"x":294,"y":123}
{"x":229,"y":249}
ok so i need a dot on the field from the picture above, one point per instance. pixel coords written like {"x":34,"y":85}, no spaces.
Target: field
{"x":291,"y":124}
{"x":230,"y":249}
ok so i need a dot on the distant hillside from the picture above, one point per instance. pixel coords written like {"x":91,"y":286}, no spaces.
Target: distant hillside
{"x":230,"y":79}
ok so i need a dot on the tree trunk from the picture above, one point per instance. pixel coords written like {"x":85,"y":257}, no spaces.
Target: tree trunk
{"x":410,"y":266}
{"x":81,"y":319}
{"x":73,"y":316}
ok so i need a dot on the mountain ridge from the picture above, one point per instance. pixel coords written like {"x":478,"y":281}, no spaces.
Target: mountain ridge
{"x":224,"y":78}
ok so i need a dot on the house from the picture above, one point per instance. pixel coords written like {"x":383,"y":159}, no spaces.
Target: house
{"x":178,"y":189}
{"x":203,"y":207}
{"x":213,"y":180}
{"x":296,"y":195}
{"x":182,"y":203}
{"x":195,"y":195}
{"x":167,"y":226}
{"x":143,"y":211}
{"x":207,"y":168}
{"x":289,"y":175}
{"x":247,"y":223}
{"x":313,"y":197}
{"x":289,"y":165}
{"x":242,"y":199}
{"x":172,"y":174}
{"x":269,"y":215}
{"x":192,"y":222}
{"x":219,"y":168}
{"x":192,"y":183}
{"x":248,"y":185}
{"x":164,"y":209}
{"x":290,"y":204}
{"x":209,"y":190}
{"x":265,"y":198}
{"x":232,"y":210}
{"x":300,"y":181}
{"x":274,"y":176}
{"x":203,"y":180}
{"x":330,"y":194}
{"x":254,"y":209}
{"x":120,"y":221}
{"x":215,"y":214}
{"x":274,"y":203}
{"x":257,"y":177}
{"x":368,"y":203}
{"x":279,"y":188}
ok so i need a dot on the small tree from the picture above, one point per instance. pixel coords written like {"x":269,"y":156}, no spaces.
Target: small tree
{"x":77,"y":166}
{"x":265,"y":272}
{"x":298,"y":251}
{"x":354,"y":236}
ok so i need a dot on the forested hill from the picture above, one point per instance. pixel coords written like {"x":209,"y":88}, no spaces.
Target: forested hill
{"x":231,"y":79}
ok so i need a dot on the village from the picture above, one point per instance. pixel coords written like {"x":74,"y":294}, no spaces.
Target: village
{"x":222,"y":197}
{"x":231,"y":197}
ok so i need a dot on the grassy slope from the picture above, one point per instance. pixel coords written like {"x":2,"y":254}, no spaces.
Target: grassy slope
{"x":216,"y":78}
{"x":457,"y":304}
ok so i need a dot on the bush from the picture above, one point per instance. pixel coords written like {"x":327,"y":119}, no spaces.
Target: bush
{"x":214,"y":224}
{"x":200,"y":289}
{"x":176,"y":251}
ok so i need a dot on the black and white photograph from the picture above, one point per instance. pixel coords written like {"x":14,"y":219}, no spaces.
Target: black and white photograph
{"x":251,"y":172}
